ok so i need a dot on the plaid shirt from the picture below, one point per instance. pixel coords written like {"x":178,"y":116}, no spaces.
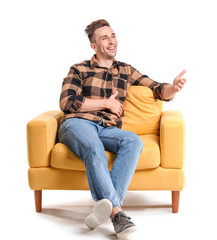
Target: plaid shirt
{"x":88,"y":80}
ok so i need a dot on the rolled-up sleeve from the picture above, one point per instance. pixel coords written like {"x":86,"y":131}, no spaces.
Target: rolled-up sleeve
{"x":143,"y":80}
{"x":71,"y":99}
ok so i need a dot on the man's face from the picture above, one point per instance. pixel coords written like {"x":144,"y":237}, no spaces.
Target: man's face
{"x":105,"y":43}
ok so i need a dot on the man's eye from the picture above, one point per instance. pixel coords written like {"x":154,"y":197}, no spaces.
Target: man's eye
{"x":104,"y":38}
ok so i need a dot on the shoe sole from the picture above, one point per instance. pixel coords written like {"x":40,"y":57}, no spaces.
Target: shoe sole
{"x":127,"y":231}
{"x":101,"y":213}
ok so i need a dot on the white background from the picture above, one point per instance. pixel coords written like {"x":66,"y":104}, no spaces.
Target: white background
{"x":40,"y":40}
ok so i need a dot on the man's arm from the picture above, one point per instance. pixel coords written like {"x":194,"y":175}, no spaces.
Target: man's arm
{"x":178,"y":83}
{"x":99,"y":104}
{"x":71,"y":98}
{"x":143,"y":80}
{"x":162,"y":91}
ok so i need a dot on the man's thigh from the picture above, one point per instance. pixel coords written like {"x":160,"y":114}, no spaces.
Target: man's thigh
{"x":79,"y":135}
{"x":113,"y":137}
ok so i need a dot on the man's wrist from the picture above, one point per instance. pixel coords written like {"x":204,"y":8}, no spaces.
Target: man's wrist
{"x":106,"y":103}
{"x":173,"y":89}
{"x":169,"y":91}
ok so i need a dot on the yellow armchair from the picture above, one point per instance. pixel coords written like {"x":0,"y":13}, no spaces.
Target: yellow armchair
{"x":53,"y":166}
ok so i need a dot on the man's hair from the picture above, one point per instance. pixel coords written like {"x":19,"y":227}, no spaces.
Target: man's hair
{"x":90,"y":29}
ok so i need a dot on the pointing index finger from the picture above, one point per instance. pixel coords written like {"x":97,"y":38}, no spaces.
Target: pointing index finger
{"x":182,"y":73}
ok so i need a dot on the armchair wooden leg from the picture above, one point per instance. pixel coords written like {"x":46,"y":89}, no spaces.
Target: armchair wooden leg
{"x":175,"y":201}
{"x":38,"y":198}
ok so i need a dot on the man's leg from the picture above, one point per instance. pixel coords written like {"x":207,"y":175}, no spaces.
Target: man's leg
{"x":81,"y":136}
{"x":92,"y":152}
{"x":128,"y":147}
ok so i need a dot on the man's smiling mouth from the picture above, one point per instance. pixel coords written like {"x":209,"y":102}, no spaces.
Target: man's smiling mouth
{"x":111,"y":48}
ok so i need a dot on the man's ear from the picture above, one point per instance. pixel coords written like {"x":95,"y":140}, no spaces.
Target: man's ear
{"x":93,"y":45}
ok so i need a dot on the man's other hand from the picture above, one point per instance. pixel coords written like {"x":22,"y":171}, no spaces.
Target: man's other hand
{"x":114,"y":105}
{"x":179,"y":82}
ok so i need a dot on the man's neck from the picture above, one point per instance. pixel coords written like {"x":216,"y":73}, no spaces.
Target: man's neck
{"x":104,"y":62}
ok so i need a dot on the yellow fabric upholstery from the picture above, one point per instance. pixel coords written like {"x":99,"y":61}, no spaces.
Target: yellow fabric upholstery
{"x":54,"y":166}
{"x":172,"y":139}
{"x":142,"y":111}
{"x":62,"y":157}
{"x":149,"y":179}
{"x":41,"y":137}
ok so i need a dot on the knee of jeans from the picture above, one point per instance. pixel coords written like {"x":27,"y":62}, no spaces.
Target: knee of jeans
{"x":137,"y":141}
{"x":94,"y":155}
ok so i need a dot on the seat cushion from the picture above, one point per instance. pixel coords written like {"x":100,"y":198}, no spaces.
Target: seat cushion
{"x":62,"y":157}
{"x":142,"y":112}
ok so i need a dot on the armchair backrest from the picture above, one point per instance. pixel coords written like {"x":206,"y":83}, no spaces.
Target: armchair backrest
{"x":142,"y":111}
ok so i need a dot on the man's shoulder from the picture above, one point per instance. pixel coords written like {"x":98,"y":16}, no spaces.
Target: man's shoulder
{"x":123,"y":64}
{"x":125,"y":68}
{"x":85,"y":63}
{"x":82,"y":66}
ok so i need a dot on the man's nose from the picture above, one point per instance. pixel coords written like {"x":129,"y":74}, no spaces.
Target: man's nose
{"x":111,"y":41}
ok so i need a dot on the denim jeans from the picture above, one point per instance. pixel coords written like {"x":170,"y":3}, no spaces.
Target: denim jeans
{"x":89,"y":140}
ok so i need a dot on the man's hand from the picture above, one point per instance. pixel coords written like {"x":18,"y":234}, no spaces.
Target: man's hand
{"x":179,"y":82}
{"x":114,"y":105}
{"x":100,"y":104}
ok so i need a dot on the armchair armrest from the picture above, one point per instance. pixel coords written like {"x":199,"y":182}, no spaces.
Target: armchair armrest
{"x":172,"y":140}
{"x":41,"y":137}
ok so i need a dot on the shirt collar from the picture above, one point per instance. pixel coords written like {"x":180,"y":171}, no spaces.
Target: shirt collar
{"x":93,"y":63}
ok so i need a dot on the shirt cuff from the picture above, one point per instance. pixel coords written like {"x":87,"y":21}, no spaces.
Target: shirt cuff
{"x":78,"y":102}
{"x":158,"y":92}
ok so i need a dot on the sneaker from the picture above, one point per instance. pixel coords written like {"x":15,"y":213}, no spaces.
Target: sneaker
{"x":122,"y":224}
{"x":100,"y":214}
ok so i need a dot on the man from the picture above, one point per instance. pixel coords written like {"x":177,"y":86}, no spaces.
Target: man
{"x":92,"y":100}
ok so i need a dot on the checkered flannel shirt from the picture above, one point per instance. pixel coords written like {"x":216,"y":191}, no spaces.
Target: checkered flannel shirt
{"x":88,"y":80}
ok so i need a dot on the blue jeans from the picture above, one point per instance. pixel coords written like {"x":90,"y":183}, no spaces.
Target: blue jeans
{"x":89,"y":141}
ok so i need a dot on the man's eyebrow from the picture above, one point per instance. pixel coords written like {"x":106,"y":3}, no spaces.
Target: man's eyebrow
{"x":103,"y":36}
{"x":107,"y":35}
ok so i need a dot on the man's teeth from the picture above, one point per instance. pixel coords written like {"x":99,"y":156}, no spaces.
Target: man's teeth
{"x":111,"y":48}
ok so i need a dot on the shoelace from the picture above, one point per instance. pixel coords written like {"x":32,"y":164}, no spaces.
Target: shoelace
{"x":118,"y":217}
